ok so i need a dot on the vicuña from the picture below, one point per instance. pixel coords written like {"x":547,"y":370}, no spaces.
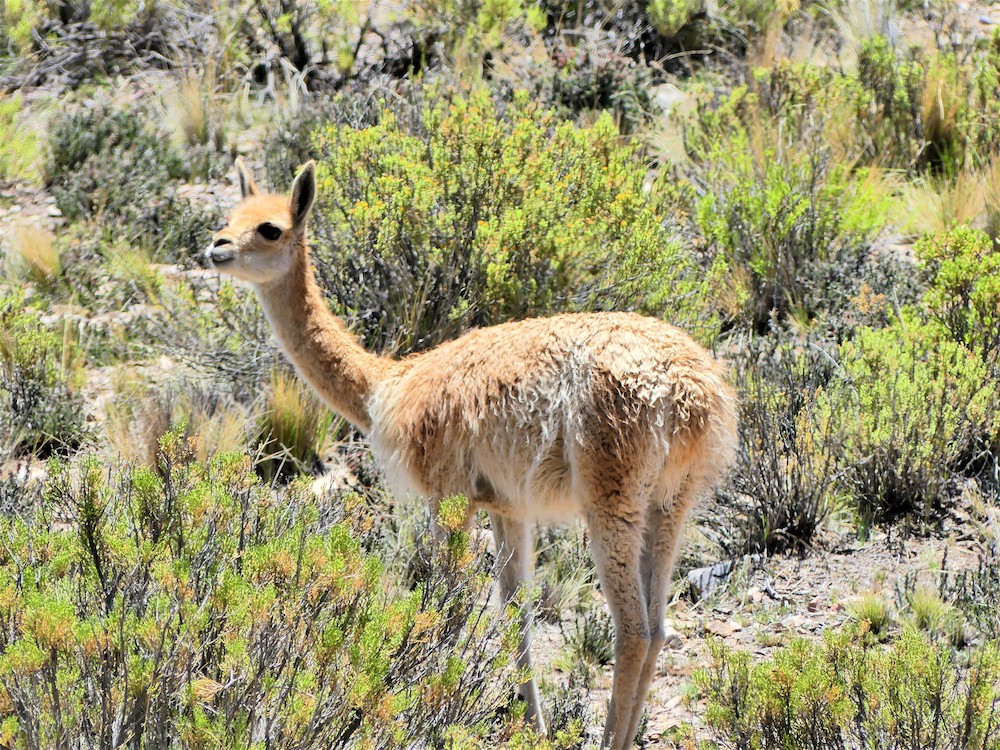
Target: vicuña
{"x":620,"y":418}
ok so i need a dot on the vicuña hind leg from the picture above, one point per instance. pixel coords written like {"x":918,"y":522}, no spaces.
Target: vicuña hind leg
{"x":516,"y":555}
{"x":615,"y":519}
{"x":663,"y":533}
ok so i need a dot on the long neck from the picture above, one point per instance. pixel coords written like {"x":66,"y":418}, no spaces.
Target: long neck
{"x":324,"y":353}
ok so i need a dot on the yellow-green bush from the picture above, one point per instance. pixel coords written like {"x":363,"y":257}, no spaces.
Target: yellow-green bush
{"x":194,"y":607}
{"x":788,"y":216}
{"x":18,"y":145}
{"x":848,"y":690}
{"x":962,"y":268}
{"x":470,"y":216}
{"x":922,"y":404}
{"x":668,"y":16}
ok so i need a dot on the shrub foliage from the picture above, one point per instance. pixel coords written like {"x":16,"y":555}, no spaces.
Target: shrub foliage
{"x":192,"y":607}
{"x":470,"y":216}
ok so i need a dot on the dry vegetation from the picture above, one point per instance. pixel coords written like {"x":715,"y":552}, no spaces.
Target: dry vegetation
{"x":194,"y":553}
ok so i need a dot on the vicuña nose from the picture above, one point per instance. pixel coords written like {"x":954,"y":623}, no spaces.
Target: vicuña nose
{"x":220,"y":241}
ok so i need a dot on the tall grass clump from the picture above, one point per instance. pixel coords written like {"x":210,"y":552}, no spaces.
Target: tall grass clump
{"x":292,"y":428}
{"x":18,"y":144}
{"x":469,"y":215}
{"x":193,"y":606}
{"x":32,"y":255}
{"x":138,"y":415}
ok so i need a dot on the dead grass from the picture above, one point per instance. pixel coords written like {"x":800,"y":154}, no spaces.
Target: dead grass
{"x":938,"y":204}
{"x":857,"y":21}
{"x":991,"y":197}
{"x":192,"y":108}
{"x":293,"y":430}
{"x":32,"y":253}
{"x":140,"y":414}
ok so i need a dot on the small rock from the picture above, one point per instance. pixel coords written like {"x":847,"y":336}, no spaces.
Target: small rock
{"x":703,"y":580}
{"x":792,"y":622}
{"x":815,"y":605}
{"x":987,"y":21}
{"x":674,"y":639}
{"x":724,"y":629}
{"x":54,"y":211}
{"x":670,"y":97}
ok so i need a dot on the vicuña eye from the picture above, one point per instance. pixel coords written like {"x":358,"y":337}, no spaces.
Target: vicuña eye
{"x":269,"y":231}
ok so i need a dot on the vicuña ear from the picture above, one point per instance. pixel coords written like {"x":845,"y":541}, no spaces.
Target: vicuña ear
{"x":303,"y":193}
{"x":247,"y":186}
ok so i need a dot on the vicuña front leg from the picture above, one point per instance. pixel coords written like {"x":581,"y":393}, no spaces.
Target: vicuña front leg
{"x":516,"y":555}
{"x":616,"y":533}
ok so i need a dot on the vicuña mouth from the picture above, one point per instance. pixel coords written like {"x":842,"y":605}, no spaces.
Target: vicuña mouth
{"x":220,"y":257}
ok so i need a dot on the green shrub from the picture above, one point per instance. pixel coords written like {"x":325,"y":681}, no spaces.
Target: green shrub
{"x":465,"y":31}
{"x":593,"y":75}
{"x":469,"y":217}
{"x":216,"y":328}
{"x":564,"y":573}
{"x":571,"y":708}
{"x":923,"y":405}
{"x":926,"y":113}
{"x":109,"y":165}
{"x":890,"y":105}
{"x":848,"y":692}
{"x":904,"y":110}
{"x":308,"y":34}
{"x":784,"y":483}
{"x":962,"y":268}
{"x":592,"y":640}
{"x":788,"y":217}
{"x":41,"y":410}
{"x":668,"y":16}
{"x":23,"y":18}
{"x":194,"y":607}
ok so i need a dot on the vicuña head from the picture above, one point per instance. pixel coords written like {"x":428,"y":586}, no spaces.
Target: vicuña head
{"x":265,"y":232}
{"x":615,"y":417}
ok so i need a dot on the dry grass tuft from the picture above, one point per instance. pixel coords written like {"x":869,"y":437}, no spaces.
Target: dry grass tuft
{"x":32,"y":252}
{"x":873,"y":613}
{"x":934,"y":205}
{"x":139,"y":415}
{"x":193,"y":109}
{"x":293,"y":429}
{"x":991,"y":197}
{"x":857,"y":21}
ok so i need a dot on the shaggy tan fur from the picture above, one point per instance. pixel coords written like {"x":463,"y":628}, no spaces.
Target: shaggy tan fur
{"x":619,"y":418}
